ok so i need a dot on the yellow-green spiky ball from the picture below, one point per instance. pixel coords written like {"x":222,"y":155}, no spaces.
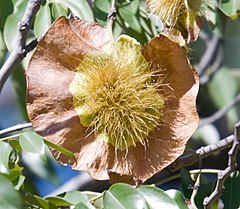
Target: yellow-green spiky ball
{"x":117,"y":95}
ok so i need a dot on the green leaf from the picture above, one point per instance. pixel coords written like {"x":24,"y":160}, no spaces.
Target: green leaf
{"x":74,"y":197}
{"x":205,"y":189}
{"x":230,"y":7}
{"x":5,"y":150}
{"x":156,"y":198}
{"x":226,"y":86}
{"x":60,"y":149}
{"x":10,"y":30}
{"x":18,"y":80}
{"x":42,"y":21}
{"x":125,"y":196}
{"x":81,"y":206}
{"x":32,"y":143}
{"x":6,"y":8}
{"x":101,"y":10}
{"x":131,"y":6}
{"x":70,"y":198}
{"x":58,"y":10}
{"x":131,"y":15}
{"x":178,"y":197}
{"x":187,"y":183}
{"x":79,"y":8}
{"x":231,"y":192}
{"x":3,"y":49}
{"x":58,"y":201}
{"x":95,"y":198}
{"x":9,"y":198}
{"x":37,"y":201}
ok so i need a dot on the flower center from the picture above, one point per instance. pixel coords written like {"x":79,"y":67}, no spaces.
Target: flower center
{"x":118,"y":96}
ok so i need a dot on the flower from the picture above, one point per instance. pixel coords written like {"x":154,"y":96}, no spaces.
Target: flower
{"x":180,"y":15}
{"x":125,"y":112}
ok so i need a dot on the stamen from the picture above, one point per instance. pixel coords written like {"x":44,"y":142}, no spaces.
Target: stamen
{"x":118,"y":97}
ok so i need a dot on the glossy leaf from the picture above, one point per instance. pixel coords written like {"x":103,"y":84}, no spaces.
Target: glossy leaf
{"x":6,"y":8}
{"x":11,"y":25}
{"x":79,"y":8}
{"x":32,"y":143}
{"x":81,"y":206}
{"x":9,"y":198}
{"x":230,"y":7}
{"x":178,"y":197}
{"x":125,"y":196}
{"x":231,"y":192}
{"x":2,"y":49}
{"x":204,"y":190}
{"x":35,"y":200}
{"x":58,"y":10}
{"x":42,"y":21}
{"x":156,"y":198}
{"x":101,"y":10}
{"x":58,"y":201}
{"x":60,"y":149}
{"x":5,"y":150}
{"x":70,"y":198}
{"x":129,"y":14}
{"x":187,"y":183}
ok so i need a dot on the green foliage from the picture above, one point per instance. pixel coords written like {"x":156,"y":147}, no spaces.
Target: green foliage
{"x":230,"y":7}
{"x":125,"y":196}
{"x":6,"y":8}
{"x":42,"y":20}
{"x":10,"y":198}
{"x":231,"y":191}
{"x":79,"y":8}
{"x":11,"y":25}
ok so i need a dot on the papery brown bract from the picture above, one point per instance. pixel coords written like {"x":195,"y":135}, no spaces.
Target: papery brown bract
{"x":51,"y":110}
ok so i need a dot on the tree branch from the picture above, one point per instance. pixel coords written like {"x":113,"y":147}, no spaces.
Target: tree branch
{"x":18,"y":127}
{"x":192,"y":157}
{"x":220,"y":113}
{"x":21,"y":50}
{"x":222,"y":176}
{"x":112,"y":14}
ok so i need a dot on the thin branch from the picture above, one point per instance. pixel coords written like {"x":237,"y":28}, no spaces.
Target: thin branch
{"x":220,"y":113}
{"x":192,"y":157}
{"x":18,"y":127}
{"x":20,"y":50}
{"x":112,"y":14}
{"x":222,"y":176}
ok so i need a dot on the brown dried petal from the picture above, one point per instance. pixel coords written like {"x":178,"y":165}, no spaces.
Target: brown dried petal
{"x":51,"y":111}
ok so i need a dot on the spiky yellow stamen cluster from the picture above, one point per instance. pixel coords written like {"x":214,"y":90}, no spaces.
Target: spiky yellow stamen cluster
{"x":115,"y":95}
